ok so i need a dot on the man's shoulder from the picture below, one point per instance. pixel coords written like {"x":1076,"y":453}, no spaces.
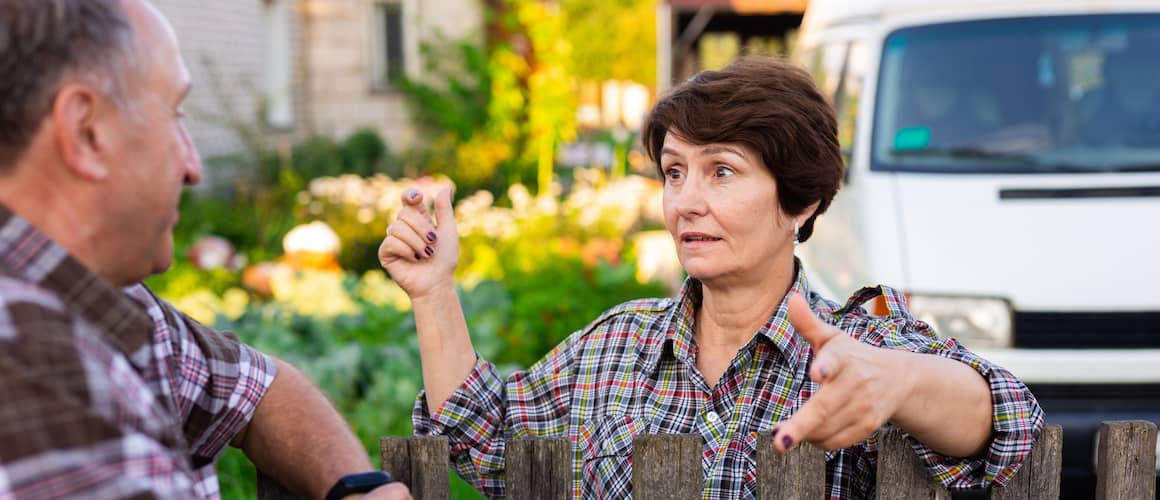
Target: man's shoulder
{"x":25,"y":306}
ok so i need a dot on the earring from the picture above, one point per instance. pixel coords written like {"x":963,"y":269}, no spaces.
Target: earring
{"x":796,"y":239}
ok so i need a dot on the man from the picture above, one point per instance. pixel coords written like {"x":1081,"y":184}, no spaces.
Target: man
{"x":108,"y":391}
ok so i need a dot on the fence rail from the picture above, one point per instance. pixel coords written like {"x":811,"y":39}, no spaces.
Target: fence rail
{"x":668,"y":467}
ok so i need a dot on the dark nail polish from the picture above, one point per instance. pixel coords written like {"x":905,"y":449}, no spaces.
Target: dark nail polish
{"x":418,"y":257}
{"x":413,"y":194}
{"x":787,"y":442}
{"x":432,"y":237}
{"x":775,"y":431}
{"x":822,"y":370}
{"x":429,"y":250}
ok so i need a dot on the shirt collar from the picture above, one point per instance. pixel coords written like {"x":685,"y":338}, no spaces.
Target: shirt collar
{"x":677,"y":327}
{"x":30,"y":256}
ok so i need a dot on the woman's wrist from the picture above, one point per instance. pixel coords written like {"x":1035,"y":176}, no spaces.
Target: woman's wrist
{"x":436,"y":295}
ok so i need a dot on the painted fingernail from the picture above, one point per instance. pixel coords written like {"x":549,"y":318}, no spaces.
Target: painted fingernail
{"x":774,"y":432}
{"x":418,"y":257}
{"x":429,"y":251}
{"x":412,"y":194}
{"x":432,"y":236}
{"x":786,"y":441}
{"x":822,"y":370}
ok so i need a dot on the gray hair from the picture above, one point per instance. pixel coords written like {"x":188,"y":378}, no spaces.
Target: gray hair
{"x":45,"y":42}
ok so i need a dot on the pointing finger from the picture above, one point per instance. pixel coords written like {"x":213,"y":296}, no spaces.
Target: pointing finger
{"x":808,"y":325}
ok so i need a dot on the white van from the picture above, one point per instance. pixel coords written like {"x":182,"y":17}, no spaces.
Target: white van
{"x":1004,"y":171}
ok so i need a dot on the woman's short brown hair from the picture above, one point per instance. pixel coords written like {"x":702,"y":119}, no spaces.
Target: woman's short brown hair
{"x":770,"y":105}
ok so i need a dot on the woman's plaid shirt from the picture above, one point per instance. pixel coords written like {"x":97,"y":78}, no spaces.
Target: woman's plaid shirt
{"x":633,"y":371}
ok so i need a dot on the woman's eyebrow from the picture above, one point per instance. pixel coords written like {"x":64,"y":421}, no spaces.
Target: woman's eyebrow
{"x":717,"y":148}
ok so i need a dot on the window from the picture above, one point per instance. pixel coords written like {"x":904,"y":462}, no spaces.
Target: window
{"x":839,"y":68}
{"x":388,"y":52}
{"x":278,"y":75}
{"x":1053,"y":94}
{"x":849,"y":94}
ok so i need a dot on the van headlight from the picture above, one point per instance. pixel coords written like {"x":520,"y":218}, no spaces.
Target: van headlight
{"x":977,"y":322}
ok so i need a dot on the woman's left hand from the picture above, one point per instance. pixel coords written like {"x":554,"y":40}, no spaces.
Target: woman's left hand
{"x":862,"y":386}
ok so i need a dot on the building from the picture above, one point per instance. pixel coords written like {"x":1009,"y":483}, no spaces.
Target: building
{"x":707,"y":34}
{"x":292,"y":68}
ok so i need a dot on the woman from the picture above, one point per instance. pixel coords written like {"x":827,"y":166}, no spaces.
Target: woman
{"x":749,"y":157}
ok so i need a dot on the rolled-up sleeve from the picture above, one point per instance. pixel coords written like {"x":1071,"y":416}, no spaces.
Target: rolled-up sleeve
{"x":1016,"y":418}
{"x":217,"y":381}
{"x":472,"y":418}
{"x":485,"y":411}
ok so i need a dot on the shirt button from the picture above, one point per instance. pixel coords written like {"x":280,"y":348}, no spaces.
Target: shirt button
{"x":712,"y":416}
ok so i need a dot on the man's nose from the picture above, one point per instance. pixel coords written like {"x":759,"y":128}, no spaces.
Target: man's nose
{"x":190,"y":160}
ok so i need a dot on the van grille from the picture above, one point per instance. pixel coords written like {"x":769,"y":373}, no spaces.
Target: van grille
{"x":1049,"y":330}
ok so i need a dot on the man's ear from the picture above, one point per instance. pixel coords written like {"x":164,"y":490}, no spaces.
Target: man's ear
{"x":80,"y":131}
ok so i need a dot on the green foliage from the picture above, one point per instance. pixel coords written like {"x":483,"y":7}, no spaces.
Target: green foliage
{"x":365,"y":152}
{"x":254,"y":220}
{"x":552,"y":302}
{"x":366,"y":360}
{"x":612,"y":39}
{"x":454,"y":98}
{"x":494,"y":117}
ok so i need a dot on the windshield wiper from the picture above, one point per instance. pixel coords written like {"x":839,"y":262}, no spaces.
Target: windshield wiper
{"x":971,"y":152}
{"x":1135,"y":167}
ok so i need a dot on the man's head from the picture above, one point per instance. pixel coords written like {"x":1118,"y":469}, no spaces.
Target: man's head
{"x":90,"y":96}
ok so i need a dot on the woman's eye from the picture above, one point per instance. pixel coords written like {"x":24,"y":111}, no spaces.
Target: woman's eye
{"x":673,"y":173}
{"x":723,"y":171}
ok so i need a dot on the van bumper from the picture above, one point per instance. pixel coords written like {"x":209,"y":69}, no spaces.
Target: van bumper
{"x":1078,"y":366}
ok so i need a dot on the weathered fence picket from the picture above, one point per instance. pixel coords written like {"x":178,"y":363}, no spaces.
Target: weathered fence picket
{"x":421,"y":463}
{"x":1126,"y":461}
{"x":668,"y":467}
{"x":538,"y":469}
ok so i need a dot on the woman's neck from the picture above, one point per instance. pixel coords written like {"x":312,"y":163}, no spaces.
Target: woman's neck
{"x":731,"y":312}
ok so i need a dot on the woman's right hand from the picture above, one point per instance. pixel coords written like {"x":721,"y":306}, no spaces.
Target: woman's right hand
{"x":420,"y":253}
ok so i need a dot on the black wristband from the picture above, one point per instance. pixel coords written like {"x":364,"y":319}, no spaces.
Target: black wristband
{"x":362,"y":482}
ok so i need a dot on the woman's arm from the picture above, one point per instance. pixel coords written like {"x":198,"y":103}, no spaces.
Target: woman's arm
{"x":444,"y":344}
{"x":421,"y":254}
{"x":947,"y":407}
{"x":943,"y":403}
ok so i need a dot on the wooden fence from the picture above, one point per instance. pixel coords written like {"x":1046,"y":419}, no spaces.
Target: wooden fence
{"x":668,"y":467}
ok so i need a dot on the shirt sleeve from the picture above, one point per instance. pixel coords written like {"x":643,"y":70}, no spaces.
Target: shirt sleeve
{"x":74,"y":419}
{"x":217,"y":381}
{"x":485,"y":411}
{"x":1016,"y":417}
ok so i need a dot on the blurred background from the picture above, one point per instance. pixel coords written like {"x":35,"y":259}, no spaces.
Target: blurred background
{"x":313,"y":116}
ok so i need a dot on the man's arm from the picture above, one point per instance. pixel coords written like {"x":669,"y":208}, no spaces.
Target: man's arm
{"x":229,"y":393}
{"x":297,"y":437}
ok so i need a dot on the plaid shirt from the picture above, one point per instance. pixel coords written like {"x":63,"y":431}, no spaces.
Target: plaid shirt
{"x":633,"y":371}
{"x":109,"y":393}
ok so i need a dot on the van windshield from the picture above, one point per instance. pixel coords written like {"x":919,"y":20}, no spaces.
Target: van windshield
{"x":1044,"y":94}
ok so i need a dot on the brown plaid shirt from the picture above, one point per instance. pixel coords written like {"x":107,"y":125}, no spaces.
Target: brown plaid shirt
{"x":109,"y":393}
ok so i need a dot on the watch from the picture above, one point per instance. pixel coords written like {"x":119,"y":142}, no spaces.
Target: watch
{"x":362,"y":482}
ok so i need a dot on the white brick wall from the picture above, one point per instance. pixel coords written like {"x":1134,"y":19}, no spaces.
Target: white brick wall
{"x":340,"y":40}
{"x":331,"y":57}
{"x":227,"y":35}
